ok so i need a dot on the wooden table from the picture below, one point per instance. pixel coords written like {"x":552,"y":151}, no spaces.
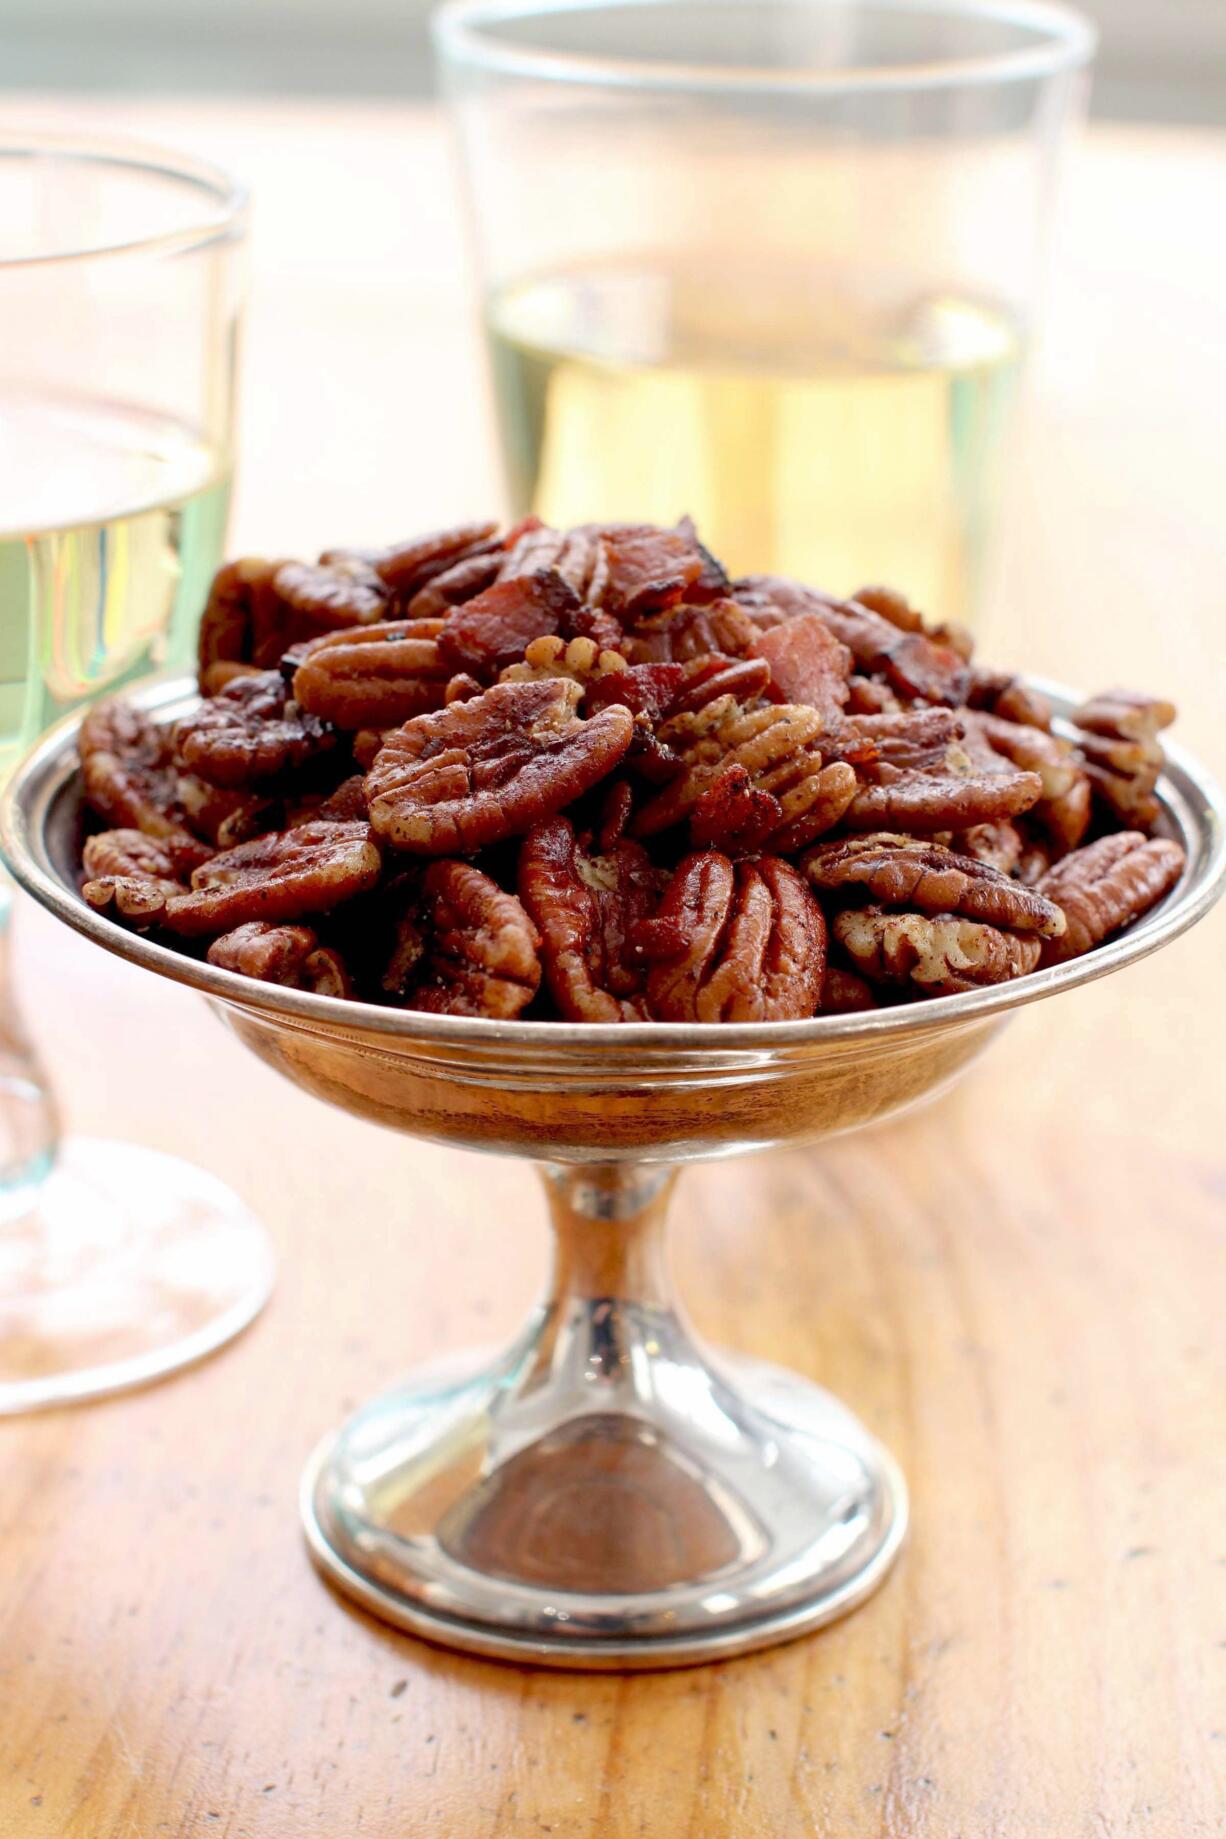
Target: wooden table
{"x":1020,"y":1290}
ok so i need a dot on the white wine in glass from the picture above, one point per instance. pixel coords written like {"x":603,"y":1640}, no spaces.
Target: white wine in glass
{"x":120,"y":302}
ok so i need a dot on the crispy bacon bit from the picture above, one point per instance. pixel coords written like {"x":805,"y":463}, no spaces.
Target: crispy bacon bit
{"x":647,"y":568}
{"x":807,"y":664}
{"x":733,"y":815}
{"x":493,"y":629}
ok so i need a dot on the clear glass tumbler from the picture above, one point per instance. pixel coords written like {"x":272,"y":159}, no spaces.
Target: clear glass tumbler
{"x":121,"y":286}
{"x":774,"y":263}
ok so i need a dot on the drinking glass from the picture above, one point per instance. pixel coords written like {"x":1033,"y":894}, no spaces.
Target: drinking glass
{"x":773,"y":263}
{"x":121,"y":280}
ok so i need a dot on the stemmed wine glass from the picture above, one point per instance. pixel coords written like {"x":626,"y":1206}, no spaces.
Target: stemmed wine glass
{"x":121,"y":284}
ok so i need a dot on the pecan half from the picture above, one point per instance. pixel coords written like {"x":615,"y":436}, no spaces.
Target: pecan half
{"x":743,"y":942}
{"x":691,"y":631}
{"x":586,"y":906}
{"x":404,"y":568}
{"x":932,"y":954}
{"x":375,"y":676}
{"x":580,"y":659}
{"x":130,"y":876}
{"x":1125,"y":714}
{"x":129,"y":780}
{"x":249,"y":733}
{"x":1106,"y":886}
{"x":1063,"y":809}
{"x":463,"y":946}
{"x":999,"y":845}
{"x":1005,"y":694}
{"x":225,"y":817}
{"x":283,"y":876}
{"x":288,"y":955}
{"x":489,"y":767}
{"x":779,"y":748}
{"x":242,"y":621}
{"x":457,"y":583}
{"x":843,"y":993}
{"x":904,"y":871}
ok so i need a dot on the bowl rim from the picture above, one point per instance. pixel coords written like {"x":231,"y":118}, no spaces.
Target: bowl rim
{"x":1192,"y":805}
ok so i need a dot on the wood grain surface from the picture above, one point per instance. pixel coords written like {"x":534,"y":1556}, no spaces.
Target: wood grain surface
{"x":1019,"y":1289}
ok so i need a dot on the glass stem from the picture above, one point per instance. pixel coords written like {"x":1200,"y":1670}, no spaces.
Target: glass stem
{"x":29,"y":1120}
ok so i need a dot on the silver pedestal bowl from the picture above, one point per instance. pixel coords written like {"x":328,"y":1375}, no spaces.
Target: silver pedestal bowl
{"x":607,"y":1492}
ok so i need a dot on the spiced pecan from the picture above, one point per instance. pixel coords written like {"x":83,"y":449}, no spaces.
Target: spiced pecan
{"x":488,"y":768}
{"x":1063,"y":808}
{"x":999,"y":844}
{"x":579,"y":659}
{"x":1125,"y":714}
{"x":405,"y":568}
{"x":323,"y":595}
{"x":1004,"y":694}
{"x":224,"y":817}
{"x":130,"y":875}
{"x":129,"y":779}
{"x":289,"y":955}
{"x":375,"y":676}
{"x":893,"y":605}
{"x":1106,"y":885}
{"x":743,"y":942}
{"x":779,"y":748}
{"x":688,"y":631}
{"x":282,"y":876}
{"x":943,"y":798}
{"x":240,"y":619}
{"x":250,"y":733}
{"x":457,"y":583}
{"x":586,"y":905}
{"x":932,"y":954}
{"x":463,"y":946}
{"x":906,"y":871}
{"x":843,"y":993}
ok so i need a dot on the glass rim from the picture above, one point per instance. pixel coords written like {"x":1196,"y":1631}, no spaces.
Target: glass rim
{"x":224,"y":214}
{"x":461,"y":34}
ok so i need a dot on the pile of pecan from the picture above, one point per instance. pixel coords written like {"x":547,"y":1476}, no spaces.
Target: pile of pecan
{"x":583,"y":774}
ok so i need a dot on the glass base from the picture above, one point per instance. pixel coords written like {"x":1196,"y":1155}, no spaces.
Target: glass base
{"x":603,"y":1496}
{"x":130,"y":1265}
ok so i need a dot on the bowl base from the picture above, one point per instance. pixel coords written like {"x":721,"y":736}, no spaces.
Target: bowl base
{"x":723,"y":1506}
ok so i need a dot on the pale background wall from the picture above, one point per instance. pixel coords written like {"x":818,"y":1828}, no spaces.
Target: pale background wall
{"x":1161,"y":59}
